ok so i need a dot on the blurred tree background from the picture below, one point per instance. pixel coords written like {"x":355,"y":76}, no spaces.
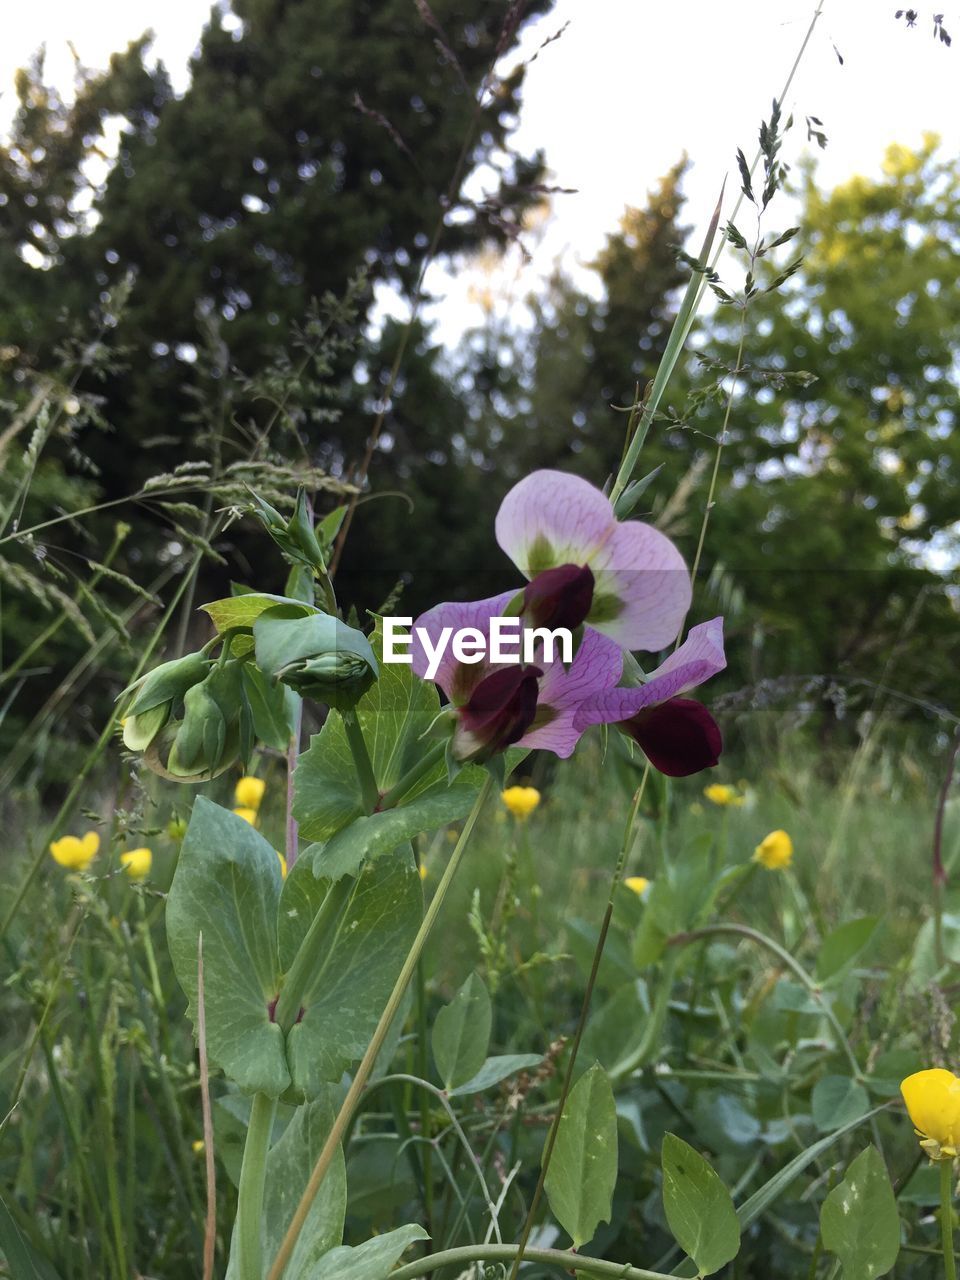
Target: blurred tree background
{"x":157,"y":308}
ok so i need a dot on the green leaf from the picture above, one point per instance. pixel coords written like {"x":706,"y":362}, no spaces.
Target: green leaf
{"x":227,"y":886}
{"x":859,"y":1220}
{"x":836,"y":1100}
{"x":273,"y":706}
{"x":461,"y":1033}
{"x":22,"y":1259}
{"x":698,"y":1206}
{"x":583,"y":1171}
{"x":764,"y":1196}
{"x":289,"y":1165}
{"x":368,"y":838}
{"x":243,"y":611}
{"x":350,"y":986}
{"x":373,"y":1260}
{"x":499,"y":1067}
{"x":394,"y":715}
{"x":844,"y":944}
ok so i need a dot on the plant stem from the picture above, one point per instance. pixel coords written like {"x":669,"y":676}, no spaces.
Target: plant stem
{"x":252,"y":1176}
{"x":581,"y":1026}
{"x":946,"y":1219}
{"x":309,"y":958}
{"x":361,"y":759}
{"x":400,"y":790}
{"x":569,"y":1261}
{"x":352,"y":1101}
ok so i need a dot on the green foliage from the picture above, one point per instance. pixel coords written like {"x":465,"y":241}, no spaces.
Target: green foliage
{"x":461,"y":1034}
{"x":698,"y":1207}
{"x":583,"y":1171}
{"x":859,"y":1221}
{"x":371,"y":1261}
{"x":289,"y":1165}
{"x":227,"y":888}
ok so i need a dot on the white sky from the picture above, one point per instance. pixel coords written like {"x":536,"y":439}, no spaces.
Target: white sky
{"x":629,"y":86}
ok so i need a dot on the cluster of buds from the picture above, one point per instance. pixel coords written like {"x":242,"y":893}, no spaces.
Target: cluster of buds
{"x":315,"y":654}
{"x":190,"y":717}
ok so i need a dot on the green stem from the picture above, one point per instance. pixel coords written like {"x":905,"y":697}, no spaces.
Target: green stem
{"x":313,"y":950}
{"x":352,"y":1101}
{"x":361,"y":760}
{"x":400,"y":790}
{"x":569,"y":1261}
{"x":252,"y":1177}
{"x":946,"y":1219}
{"x":522,"y":1252}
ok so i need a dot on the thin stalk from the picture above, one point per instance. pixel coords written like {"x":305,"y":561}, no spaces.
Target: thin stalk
{"x":946,"y":1219}
{"x":352,"y":1101}
{"x":210,"y":1224}
{"x":252,"y":1178}
{"x":400,"y":790}
{"x":625,"y":848}
{"x":361,"y":760}
{"x":569,"y":1261}
{"x":309,"y":958}
{"x":939,"y":870}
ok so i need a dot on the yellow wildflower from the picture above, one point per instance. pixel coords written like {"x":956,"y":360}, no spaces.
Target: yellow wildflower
{"x":521,"y":801}
{"x":283,"y":863}
{"x":137,"y":863}
{"x":248,"y":815}
{"x":775,"y":851}
{"x":75,"y":853}
{"x":199,"y":1146}
{"x":722,"y":794}
{"x":639,"y":884}
{"x":248,"y":792}
{"x":933,"y":1104}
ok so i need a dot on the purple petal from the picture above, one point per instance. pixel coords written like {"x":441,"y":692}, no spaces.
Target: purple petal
{"x":704,"y":644}
{"x":642,"y":591}
{"x":597,"y":667}
{"x":551,"y":518}
{"x":679,"y":737}
{"x":698,"y":658}
{"x":456,"y":679}
{"x":501,"y":708}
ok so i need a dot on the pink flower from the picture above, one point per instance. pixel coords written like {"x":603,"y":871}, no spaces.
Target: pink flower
{"x":678,"y":735}
{"x":499,"y":704}
{"x":624,"y":579}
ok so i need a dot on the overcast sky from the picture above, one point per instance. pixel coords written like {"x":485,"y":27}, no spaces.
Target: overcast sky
{"x":629,"y":86}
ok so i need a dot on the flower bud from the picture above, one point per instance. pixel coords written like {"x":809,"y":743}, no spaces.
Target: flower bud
{"x":155,"y":696}
{"x":317,"y":655}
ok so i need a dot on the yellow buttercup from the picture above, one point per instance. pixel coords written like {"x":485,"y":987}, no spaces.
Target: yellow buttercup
{"x":521,"y":801}
{"x":75,"y":853}
{"x":933,"y":1104}
{"x":775,"y":851}
{"x":248,"y":793}
{"x":137,"y":863}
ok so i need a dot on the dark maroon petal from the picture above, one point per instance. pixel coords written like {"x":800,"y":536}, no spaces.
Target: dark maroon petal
{"x":501,"y":709}
{"x":559,"y":597}
{"x":678,"y":737}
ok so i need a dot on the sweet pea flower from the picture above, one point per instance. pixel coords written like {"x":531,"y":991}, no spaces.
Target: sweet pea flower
{"x":933,"y":1104}
{"x":622,"y":578}
{"x":678,"y":735}
{"x":520,"y":801}
{"x":498,"y":705}
{"x":75,"y":853}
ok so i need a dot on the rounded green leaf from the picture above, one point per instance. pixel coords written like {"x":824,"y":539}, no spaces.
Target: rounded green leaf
{"x":461,"y":1033}
{"x":583,"y":1171}
{"x":699,"y":1207}
{"x":859,"y":1220}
